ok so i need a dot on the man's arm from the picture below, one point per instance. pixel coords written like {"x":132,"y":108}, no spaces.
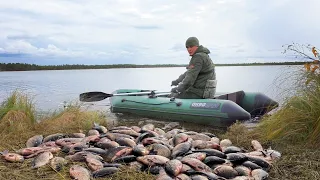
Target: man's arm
{"x":191,"y":75}
{"x":180,"y":78}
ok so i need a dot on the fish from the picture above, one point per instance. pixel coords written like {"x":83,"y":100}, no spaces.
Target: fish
{"x":148,"y":127}
{"x":225,"y":171}
{"x":106,"y":171}
{"x":179,"y":138}
{"x":232,"y":149}
{"x":94,"y":164}
{"x":93,"y":132}
{"x":209,"y":134}
{"x":107,"y":145}
{"x":29,"y":150}
{"x":48,"y":144}
{"x":200,"y":156}
{"x":198,"y":177}
{"x":95,"y":150}
{"x":144,"y":135}
{"x":196,"y":164}
{"x":236,"y":158}
{"x":79,"y":173}
{"x":81,"y":156}
{"x":200,"y":144}
{"x":251,"y":165}
{"x":53,"y":137}
{"x":171,"y":125}
{"x":99,"y":128}
{"x":140,"y":150}
{"x":259,"y":161}
{"x":136,"y":129}
{"x":183,"y":177}
{"x":113,"y":153}
{"x":185,"y":168}
{"x":213,"y":160}
{"x":68,"y":141}
{"x":112,"y":136}
{"x":259,"y":174}
{"x":163,"y":175}
{"x":12,"y":157}
{"x":242,"y":178}
{"x":34,"y":141}
{"x":200,"y":136}
{"x":125,"y":142}
{"x":211,"y":152}
{"x":153,"y":169}
{"x":159,"y":149}
{"x":129,"y":132}
{"x":42,"y":159}
{"x":173,"y":167}
{"x":216,"y":140}
{"x":204,"y":174}
{"x":225,"y":143}
{"x":256,"y":145}
{"x":159,"y":131}
{"x":243,"y":170}
{"x":172,"y":132}
{"x":275,"y":155}
{"x":181,"y":149}
{"x":57,"y":163}
{"x":151,"y":160}
{"x":125,"y":159}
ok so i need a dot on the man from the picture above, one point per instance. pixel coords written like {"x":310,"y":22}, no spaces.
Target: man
{"x":199,"y":81}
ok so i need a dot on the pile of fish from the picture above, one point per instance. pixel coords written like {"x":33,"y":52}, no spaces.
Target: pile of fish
{"x":168,"y":153}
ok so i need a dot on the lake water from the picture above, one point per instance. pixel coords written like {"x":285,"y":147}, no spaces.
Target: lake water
{"x":50,"y":89}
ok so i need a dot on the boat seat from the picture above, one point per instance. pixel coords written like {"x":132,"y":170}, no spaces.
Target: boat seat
{"x":235,"y":97}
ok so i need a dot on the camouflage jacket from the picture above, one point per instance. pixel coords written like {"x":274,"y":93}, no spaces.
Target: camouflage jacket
{"x":200,"y":69}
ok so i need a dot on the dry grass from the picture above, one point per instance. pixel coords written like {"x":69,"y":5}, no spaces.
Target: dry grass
{"x":299,"y":118}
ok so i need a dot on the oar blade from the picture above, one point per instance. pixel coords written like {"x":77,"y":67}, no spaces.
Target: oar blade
{"x":94,"y":96}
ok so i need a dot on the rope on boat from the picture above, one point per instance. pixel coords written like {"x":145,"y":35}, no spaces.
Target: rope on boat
{"x":177,"y":103}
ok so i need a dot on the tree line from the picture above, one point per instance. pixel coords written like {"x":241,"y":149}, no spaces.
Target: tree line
{"x":34,"y":67}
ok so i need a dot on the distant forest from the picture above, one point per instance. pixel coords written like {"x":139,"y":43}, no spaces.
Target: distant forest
{"x":34,"y":67}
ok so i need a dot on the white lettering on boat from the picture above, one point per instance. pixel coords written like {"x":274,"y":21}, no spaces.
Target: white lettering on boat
{"x":205,"y":105}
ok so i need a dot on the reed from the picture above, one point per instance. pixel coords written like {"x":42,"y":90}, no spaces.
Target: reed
{"x":299,"y":118}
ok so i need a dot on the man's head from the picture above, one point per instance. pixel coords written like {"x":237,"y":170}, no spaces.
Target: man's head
{"x":192,"y":45}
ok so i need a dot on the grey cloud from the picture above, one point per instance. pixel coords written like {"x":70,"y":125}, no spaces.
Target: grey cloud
{"x":147,"y":27}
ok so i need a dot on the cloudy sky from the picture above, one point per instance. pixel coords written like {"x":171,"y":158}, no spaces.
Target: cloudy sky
{"x":153,"y":31}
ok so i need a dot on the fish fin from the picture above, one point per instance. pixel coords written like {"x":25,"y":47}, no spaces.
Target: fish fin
{"x":4,"y":152}
{"x":264,"y":153}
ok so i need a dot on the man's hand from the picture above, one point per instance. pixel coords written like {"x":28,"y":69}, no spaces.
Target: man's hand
{"x":174,"y":83}
{"x":174,"y":90}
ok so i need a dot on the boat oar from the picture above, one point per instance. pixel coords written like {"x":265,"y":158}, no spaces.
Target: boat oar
{"x":98,"y":96}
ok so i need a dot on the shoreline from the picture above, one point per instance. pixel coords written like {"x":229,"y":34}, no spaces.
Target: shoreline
{"x":32,"y":67}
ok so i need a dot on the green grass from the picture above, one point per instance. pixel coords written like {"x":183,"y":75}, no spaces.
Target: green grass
{"x":19,"y":102}
{"x":299,"y":118}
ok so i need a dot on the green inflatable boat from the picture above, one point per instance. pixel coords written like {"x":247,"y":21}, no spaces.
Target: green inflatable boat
{"x":222,"y":111}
